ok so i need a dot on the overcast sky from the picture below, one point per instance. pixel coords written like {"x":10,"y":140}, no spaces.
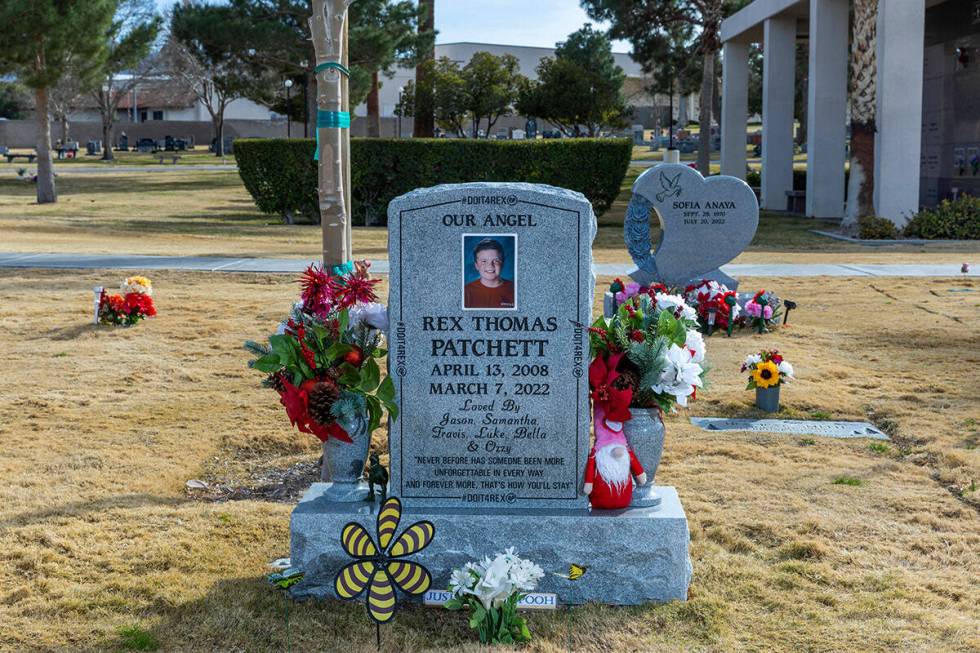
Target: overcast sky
{"x":512,"y":22}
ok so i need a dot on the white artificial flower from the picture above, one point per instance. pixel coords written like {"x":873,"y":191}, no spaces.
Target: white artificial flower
{"x":751,"y":360}
{"x":695,"y":342}
{"x":461,"y":579}
{"x":526,"y":575}
{"x":676,"y":305}
{"x":680,"y":376}
{"x":785,"y":369}
{"x":373,"y":314}
{"x":495,"y":586}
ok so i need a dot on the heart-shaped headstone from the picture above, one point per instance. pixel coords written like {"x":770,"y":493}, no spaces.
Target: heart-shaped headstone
{"x":706,"y":223}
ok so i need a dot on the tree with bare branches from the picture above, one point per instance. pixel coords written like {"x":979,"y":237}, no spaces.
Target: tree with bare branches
{"x":134,"y":30}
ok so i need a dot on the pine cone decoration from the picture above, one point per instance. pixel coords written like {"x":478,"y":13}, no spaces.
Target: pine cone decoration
{"x":629,"y":377}
{"x":275,"y":381}
{"x":322,"y":396}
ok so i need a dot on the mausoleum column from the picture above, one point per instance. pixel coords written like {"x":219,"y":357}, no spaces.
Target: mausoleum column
{"x":734,"y":107}
{"x":778,"y":76}
{"x":898,"y":143}
{"x":827,"y":108}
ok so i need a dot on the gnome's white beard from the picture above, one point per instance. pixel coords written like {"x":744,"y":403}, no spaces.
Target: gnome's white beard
{"x":614,"y":471}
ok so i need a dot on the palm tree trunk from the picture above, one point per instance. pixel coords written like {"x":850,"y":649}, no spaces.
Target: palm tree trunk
{"x":860,"y":188}
{"x":424,"y":120}
{"x":704,"y":113}
{"x":46,"y":193}
{"x":374,"y":108}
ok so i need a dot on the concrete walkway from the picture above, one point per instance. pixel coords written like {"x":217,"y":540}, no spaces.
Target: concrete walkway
{"x":288,"y":265}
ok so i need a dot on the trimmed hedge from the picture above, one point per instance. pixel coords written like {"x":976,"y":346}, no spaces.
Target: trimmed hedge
{"x":281,"y":175}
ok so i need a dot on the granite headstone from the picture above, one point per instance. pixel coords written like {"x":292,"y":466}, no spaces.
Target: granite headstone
{"x":493,"y":433}
{"x":706,"y":223}
{"x":492,"y":386}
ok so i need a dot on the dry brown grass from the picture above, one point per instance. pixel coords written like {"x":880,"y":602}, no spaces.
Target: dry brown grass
{"x":102,"y":427}
{"x":198,"y":212}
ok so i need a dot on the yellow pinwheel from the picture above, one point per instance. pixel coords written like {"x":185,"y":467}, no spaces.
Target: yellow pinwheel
{"x":378,"y":568}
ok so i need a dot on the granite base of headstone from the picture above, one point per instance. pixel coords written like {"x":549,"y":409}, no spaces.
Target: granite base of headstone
{"x":490,"y":298}
{"x":631,"y":556}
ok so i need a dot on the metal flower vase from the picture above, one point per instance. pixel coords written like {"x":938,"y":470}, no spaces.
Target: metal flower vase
{"x":767,"y":399}
{"x":343,"y":463}
{"x":645,"y":435}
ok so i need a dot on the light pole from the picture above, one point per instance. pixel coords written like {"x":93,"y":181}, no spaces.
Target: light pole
{"x":401,"y":90}
{"x":288,"y":84}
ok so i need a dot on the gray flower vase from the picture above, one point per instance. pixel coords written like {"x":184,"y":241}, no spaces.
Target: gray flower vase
{"x":767,"y":399}
{"x":645,"y":435}
{"x":343,"y":463}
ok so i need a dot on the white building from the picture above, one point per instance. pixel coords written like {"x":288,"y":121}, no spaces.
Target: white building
{"x":922,"y":137}
{"x":163,"y":99}
{"x":529,"y":58}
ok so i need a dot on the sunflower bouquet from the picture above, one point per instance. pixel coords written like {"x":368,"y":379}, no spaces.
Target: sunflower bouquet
{"x":767,"y":369}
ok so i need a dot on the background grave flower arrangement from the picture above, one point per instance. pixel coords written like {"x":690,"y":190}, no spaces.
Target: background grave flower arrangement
{"x":133,"y":303}
{"x":491,"y":590}
{"x":649,"y":354}
{"x":711,"y":304}
{"x":767,"y":369}
{"x":323,"y":360}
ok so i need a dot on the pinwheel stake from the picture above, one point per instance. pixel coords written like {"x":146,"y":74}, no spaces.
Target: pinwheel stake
{"x":283,"y":580}
{"x":379,"y":568}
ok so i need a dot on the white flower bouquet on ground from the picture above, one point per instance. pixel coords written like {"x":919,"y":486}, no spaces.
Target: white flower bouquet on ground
{"x":491,"y":589}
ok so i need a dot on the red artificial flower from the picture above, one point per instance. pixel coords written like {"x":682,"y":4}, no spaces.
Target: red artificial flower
{"x":316,"y":294}
{"x":117,"y":303}
{"x":614,"y":402}
{"x":139,"y":304}
{"x":350,"y":290}
{"x":296,"y":402}
{"x":637,"y":336}
{"x":758,"y":295}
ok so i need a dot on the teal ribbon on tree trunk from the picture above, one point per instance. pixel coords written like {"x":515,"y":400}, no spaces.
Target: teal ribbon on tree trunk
{"x":329,"y":120}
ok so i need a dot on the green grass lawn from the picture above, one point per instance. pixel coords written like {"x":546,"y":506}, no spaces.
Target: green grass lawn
{"x":198,"y":156}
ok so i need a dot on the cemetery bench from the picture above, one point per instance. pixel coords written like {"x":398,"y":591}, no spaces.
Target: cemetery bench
{"x":174,"y":158}
{"x":11,"y":156}
{"x":796,"y":201}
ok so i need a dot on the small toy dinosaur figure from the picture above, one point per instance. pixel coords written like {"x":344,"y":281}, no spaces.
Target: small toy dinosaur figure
{"x":377,"y":475}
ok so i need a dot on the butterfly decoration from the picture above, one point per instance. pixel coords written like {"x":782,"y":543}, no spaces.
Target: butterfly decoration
{"x":378,"y":568}
{"x":574,"y":572}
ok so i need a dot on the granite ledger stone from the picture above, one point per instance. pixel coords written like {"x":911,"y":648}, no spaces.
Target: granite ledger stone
{"x":492,"y":385}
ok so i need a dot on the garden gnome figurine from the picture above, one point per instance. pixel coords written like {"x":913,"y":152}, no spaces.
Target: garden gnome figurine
{"x":611,"y":467}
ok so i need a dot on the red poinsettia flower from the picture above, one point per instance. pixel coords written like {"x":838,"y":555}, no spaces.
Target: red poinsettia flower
{"x":296,"y":402}
{"x":613,"y":401}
